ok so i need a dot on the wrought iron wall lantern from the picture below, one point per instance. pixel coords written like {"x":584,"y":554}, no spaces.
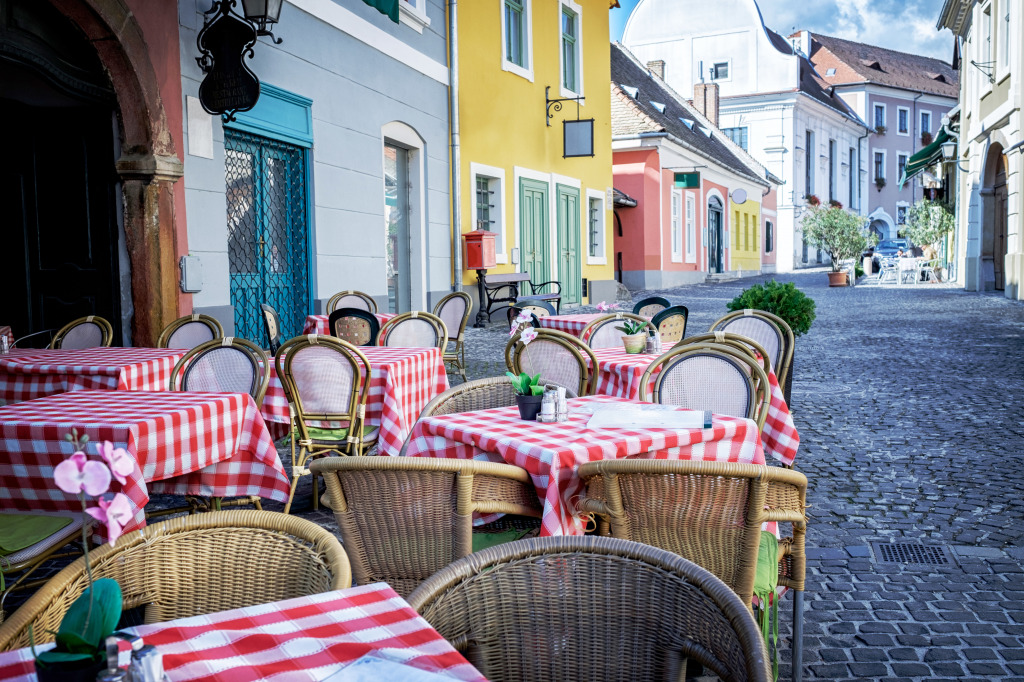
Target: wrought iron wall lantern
{"x":578,"y":135}
{"x":225,"y":42}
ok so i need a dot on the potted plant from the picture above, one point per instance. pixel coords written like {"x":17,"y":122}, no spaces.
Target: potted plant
{"x":529,"y":394}
{"x":880,"y":130}
{"x":835,"y":203}
{"x":838,"y":233}
{"x":879,"y":183}
{"x":80,"y":650}
{"x":926,"y":138}
{"x":635,"y":339}
{"x":784,"y":300}
{"x":812,"y":200}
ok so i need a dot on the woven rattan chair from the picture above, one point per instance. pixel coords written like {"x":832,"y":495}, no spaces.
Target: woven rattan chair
{"x":454,"y":311}
{"x":559,"y":358}
{"x":326,"y":381}
{"x":744,"y":343}
{"x":479,"y":394}
{"x":272,"y":325}
{"x":414,"y":330}
{"x":228,"y":365}
{"x":706,"y":376}
{"x":194,"y":565}
{"x":649,"y":307}
{"x":708,"y":512}
{"x":351,"y":299}
{"x":85,"y":332}
{"x":671,"y":323}
{"x":590,"y":608}
{"x":536,"y":306}
{"x":769,"y":330}
{"x":25,"y":561}
{"x":190,"y":331}
{"x":602,"y":332}
{"x":402,"y":519}
{"x":355,"y":326}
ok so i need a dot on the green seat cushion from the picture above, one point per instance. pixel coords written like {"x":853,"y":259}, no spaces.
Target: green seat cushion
{"x":482,"y":541}
{"x":339,"y":435}
{"x":18,"y":531}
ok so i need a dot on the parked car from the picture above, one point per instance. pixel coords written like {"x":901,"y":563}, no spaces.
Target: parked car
{"x":887,"y":248}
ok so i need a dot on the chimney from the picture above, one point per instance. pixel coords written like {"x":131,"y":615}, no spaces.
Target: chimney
{"x":657,"y":68}
{"x":802,"y":42}
{"x":705,"y":100}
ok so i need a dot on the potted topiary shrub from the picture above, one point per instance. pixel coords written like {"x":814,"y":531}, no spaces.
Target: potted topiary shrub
{"x":838,"y":233}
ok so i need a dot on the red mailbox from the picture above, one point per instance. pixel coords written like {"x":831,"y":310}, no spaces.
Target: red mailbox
{"x":479,"y":250}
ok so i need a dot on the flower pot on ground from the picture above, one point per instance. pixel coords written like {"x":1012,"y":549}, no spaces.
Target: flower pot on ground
{"x":837,"y":279}
{"x":784,"y":300}
{"x":838,"y":233}
{"x":529,"y":406}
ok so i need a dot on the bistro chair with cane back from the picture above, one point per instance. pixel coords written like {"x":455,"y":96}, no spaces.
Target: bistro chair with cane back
{"x":327,"y":381}
{"x":649,"y":307}
{"x":351,"y":299}
{"x":769,"y":330}
{"x":559,"y":358}
{"x":414,"y":330}
{"x":536,"y":306}
{"x":272,"y":325}
{"x":402,"y":519}
{"x":191,"y":566}
{"x":671,"y":323}
{"x":454,"y":311}
{"x":744,"y":343}
{"x":354,"y":325}
{"x":190,"y":331}
{"x":710,"y":513}
{"x":707,"y":376}
{"x":590,"y":608}
{"x":91,"y":331}
{"x":603,"y":332}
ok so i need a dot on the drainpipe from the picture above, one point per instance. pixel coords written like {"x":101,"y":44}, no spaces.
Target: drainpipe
{"x":456,"y":154}
{"x":913,"y":125}
{"x":860,"y":159}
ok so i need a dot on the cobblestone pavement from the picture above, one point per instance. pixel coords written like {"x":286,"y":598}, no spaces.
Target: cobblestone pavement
{"x":907,"y":402}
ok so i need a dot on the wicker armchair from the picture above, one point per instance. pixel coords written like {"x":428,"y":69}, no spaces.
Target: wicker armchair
{"x":479,"y":394}
{"x":190,"y":331}
{"x":649,"y":307}
{"x":227,"y":365}
{"x":602,"y":332}
{"x":772,"y":332}
{"x":86,"y":332}
{"x":454,"y":311}
{"x":708,"y":512}
{"x":706,"y":376}
{"x":327,"y":382}
{"x":25,"y":561}
{"x":351,"y":299}
{"x":590,"y":608}
{"x":671,"y":323}
{"x":559,"y":358}
{"x":355,"y":326}
{"x":738,"y":341}
{"x":193,"y":565}
{"x":402,"y":519}
{"x":272,"y":325}
{"x":414,"y":330}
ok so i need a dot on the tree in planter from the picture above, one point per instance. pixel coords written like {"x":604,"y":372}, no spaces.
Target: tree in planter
{"x":835,"y":231}
{"x":928,"y":222}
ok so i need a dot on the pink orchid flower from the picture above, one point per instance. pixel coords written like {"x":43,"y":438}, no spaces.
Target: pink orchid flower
{"x":120,"y":462}
{"x":528,"y":335}
{"x":77,"y":473}
{"x":115,"y":513}
{"x":605,"y":307}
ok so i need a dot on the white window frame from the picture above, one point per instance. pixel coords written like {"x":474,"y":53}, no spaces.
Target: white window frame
{"x":527,"y":71}
{"x":885,"y":159}
{"x":986,"y":45}
{"x":921,"y":130}
{"x":746,"y":134}
{"x":903,"y":110}
{"x":1005,"y":23}
{"x":690,"y":218}
{"x":496,"y":176}
{"x":413,"y":13}
{"x":600,"y":197}
{"x":676,"y":224}
{"x":902,"y":156}
{"x":769,"y":228}
{"x":578,"y":11}
{"x":728,"y":65}
{"x":885,"y":114}
{"x":906,"y":210}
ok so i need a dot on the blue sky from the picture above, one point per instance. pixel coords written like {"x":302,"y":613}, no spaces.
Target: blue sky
{"x":905,"y":25}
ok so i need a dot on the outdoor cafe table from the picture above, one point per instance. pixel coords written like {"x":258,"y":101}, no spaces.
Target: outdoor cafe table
{"x":402,"y":382}
{"x":206,"y":444}
{"x":296,"y":640}
{"x":35,"y":373}
{"x":318,"y":324}
{"x":619,"y":374}
{"x":570,"y":324}
{"x":552,"y":453}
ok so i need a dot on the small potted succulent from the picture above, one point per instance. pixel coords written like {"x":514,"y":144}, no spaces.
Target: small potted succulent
{"x":635,"y":339}
{"x":529,"y":394}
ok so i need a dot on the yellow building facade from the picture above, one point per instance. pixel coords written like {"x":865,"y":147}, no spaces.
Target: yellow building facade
{"x":552,"y":216}
{"x":746,"y":235}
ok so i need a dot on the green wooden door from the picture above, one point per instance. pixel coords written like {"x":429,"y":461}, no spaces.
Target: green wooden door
{"x":534,"y":230}
{"x":569,"y":243}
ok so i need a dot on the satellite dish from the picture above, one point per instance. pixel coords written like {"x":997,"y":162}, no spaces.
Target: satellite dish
{"x":739,"y":195}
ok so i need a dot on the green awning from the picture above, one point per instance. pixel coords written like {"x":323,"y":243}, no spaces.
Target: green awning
{"x":388,"y":7}
{"x":925,"y":158}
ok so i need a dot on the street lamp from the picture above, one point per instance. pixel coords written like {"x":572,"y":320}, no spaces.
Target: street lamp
{"x":263,"y":13}
{"x":949,"y":155}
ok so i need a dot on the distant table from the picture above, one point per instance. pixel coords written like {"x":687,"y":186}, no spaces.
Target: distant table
{"x":318,"y":324}
{"x":570,"y":324}
{"x":298,"y":640}
{"x":552,"y":453}
{"x":207,"y":444}
{"x":402,"y":382}
{"x":31,"y":373}
{"x":619,"y":374}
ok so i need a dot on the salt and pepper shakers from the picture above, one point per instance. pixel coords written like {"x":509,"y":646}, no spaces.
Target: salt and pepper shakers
{"x":147,"y":664}
{"x":562,"y":409}
{"x":553,"y":407}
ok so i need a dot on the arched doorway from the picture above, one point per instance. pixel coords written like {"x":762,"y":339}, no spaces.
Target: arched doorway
{"x":716,"y":260}
{"x":995,"y":219}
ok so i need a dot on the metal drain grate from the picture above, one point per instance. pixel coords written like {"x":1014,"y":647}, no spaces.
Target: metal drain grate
{"x":911,"y":553}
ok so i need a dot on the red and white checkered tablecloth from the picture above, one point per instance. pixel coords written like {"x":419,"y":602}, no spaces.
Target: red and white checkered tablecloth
{"x":570,"y":324}
{"x":28,"y":374}
{"x":208,"y":444}
{"x":619,"y":374}
{"x":402,"y":382}
{"x":552,"y":453}
{"x":317,"y":324}
{"x":297,"y":640}
{"x":5,"y":330}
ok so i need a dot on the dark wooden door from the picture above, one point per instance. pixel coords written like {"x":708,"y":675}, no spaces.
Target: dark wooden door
{"x":60,"y":230}
{"x":999,"y":244}
{"x":715,"y":241}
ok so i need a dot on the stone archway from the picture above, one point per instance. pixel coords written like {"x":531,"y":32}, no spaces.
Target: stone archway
{"x":148,"y":166}
{"x":994,"y":221}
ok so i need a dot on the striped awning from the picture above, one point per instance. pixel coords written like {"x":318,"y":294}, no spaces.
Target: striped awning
{"x":924,"y":159}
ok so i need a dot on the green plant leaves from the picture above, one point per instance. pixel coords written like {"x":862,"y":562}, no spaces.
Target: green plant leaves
{"x":525,"y":384}
{"x":83,"y":630}
{"x":52,"y":657}
{"x":784,"y":300}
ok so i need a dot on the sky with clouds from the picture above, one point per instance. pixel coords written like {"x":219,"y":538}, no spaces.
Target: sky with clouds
{"x":904,"y":25}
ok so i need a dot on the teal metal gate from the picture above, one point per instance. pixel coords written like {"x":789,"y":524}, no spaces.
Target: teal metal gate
{"x":268,"y":232}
